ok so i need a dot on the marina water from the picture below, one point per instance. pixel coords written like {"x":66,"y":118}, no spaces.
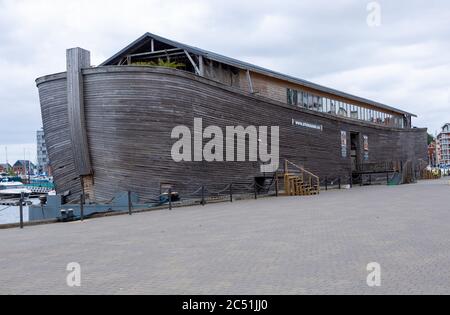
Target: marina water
{"x":11,"y":214}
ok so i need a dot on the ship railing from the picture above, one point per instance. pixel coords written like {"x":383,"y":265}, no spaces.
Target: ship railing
{"x":310,"y":183}
{"x":267,"y":185}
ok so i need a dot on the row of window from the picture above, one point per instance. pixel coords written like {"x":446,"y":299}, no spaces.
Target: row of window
{"x":334,"y":107}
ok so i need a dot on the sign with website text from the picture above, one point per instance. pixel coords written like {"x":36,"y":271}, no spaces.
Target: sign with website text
{"x":299,"y":123}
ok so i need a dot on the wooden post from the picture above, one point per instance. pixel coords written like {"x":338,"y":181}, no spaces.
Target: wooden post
{"x":82,"y":207}
{"x":340,"y":182}
{"x":129,"y":203}
{"x":387,"y":178}
{"x":201,"y":66}
{"x":326,"y":183}
{"x":22,"y":197}
{"x":351,"y":180}
{"x":255,"y":189}
{"x":197,"y":70}
{"x":78,"y":59}
{"x":250,"y":82}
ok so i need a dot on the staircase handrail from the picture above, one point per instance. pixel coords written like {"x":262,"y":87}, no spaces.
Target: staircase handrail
{"x":302,"y":169}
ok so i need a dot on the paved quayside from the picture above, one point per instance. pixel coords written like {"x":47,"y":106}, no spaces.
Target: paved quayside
{"x":286,"y":245}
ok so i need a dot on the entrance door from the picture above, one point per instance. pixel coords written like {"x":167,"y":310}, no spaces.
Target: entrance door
{"x":355,"y":153}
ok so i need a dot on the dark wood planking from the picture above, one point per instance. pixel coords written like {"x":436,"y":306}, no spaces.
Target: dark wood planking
{"x":77,"y":59}
{"x":131,"y":111}
{"x":53,"y":98}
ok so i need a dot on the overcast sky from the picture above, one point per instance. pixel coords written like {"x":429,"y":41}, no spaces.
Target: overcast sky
{"x":404,"y":62}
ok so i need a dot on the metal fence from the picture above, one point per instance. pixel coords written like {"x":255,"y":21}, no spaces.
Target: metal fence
{"x":204,"y":194}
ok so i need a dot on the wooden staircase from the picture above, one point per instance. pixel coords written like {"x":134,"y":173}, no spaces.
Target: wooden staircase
{"x":300,"y":182}
{"x":431,"y":174}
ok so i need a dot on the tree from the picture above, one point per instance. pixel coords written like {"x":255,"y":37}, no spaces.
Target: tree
{"x":161,"y":63}
{"x":11,"y":172}
{"x":430,"y":139}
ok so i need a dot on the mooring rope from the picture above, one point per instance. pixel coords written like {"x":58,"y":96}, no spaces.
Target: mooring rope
{"x":227,"y":188}
{"x":196,"y":192}
{"x":104,"y":201}
{"x":6,"y":208}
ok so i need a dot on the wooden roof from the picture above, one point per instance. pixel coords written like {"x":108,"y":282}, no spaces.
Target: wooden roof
{"x":147,"y":37}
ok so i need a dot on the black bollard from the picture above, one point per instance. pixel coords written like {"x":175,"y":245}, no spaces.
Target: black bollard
{"x":277,"y":188}
{"x":203,"y":196}
{"x":231,"y":192}
{"x":22,"y":198}
{"x":81,"y":207}
{"x":170,"y":198}
{"x":129,"y":203}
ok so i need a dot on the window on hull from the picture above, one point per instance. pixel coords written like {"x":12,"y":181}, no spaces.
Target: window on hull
{"x":334,"y":107}
{"x":292,"y":96}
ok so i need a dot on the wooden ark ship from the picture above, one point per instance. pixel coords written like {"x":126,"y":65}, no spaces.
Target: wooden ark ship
{"x":108,"y":128}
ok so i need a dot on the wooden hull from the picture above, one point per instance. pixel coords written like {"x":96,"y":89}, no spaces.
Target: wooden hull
{"x":130,"y":113}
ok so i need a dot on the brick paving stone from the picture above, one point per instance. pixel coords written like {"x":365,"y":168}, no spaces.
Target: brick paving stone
{"x":286,"y":245}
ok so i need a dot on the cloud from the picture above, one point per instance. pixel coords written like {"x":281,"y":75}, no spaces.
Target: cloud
{"x":404,"y":62}
{"x":422,"y":90}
